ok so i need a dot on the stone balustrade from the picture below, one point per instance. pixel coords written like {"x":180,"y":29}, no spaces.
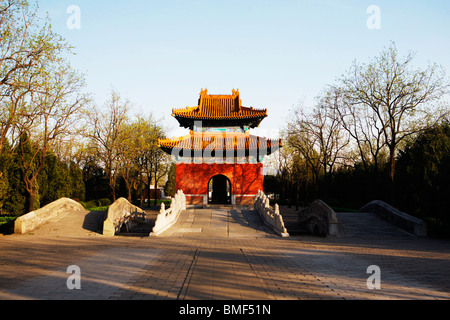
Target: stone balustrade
{"x":120,"y":212}
{"x":52,"y":211}
{"x":271,"y":216}
{"x":168,"y":217}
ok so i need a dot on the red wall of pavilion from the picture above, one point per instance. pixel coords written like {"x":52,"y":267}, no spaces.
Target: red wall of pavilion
{"x":246,"y":179}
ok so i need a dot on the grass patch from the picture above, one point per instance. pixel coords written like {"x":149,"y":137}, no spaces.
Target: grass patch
{"x":91,"y":206}
{"x":104,"y":208}
{"x":158,"y":202}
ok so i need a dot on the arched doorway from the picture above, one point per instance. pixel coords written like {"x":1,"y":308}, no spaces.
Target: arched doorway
{"x":219,"y":190}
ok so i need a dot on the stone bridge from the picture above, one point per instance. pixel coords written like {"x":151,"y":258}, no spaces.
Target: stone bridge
{"x":222,"y":253}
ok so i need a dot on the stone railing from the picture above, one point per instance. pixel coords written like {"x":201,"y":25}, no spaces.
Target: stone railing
{"x":120,"y":212}
{"x":271,"y":216}
{"x":320,"y":219}
{"x":169,"y":217}
{"x":34,"y":219}
{"x":398,"y":218}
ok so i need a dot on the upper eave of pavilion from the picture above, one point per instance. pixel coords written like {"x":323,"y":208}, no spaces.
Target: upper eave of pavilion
{"x":220,"y":108}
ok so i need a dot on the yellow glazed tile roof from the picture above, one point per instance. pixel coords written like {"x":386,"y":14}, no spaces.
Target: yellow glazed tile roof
{"x":228,"y":141}
{"x":219,"y":107}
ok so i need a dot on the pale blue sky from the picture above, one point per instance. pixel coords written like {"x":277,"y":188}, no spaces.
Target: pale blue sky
{"x":159,"y":54}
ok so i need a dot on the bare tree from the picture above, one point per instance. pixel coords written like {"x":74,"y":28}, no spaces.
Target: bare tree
{"x":362,"y":125}
{"x":108,"y":136}
{"x":301,"y":139}
{"x":397,"y":97}
{"x":318,"y":138}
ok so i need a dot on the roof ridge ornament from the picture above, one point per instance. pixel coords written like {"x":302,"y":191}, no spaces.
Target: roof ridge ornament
{"x":236,"y":95}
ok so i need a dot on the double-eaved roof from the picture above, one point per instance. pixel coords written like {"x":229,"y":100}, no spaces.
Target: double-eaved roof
{"x":219,"y":115}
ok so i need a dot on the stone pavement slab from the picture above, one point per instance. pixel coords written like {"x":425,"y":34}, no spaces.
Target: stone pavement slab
{"x":101,"y":274}
{"x":219,"y":223}
{"x":368,"y":225}
{"x":223,"y":275}
{"x":245,"y":262}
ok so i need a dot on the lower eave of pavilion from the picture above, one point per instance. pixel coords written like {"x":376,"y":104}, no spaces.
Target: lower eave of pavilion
{"x":238,"y":144}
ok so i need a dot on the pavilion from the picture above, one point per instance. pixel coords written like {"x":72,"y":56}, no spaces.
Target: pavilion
{"x":219,"y":161}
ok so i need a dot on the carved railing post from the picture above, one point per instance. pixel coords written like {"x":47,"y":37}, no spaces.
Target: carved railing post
{"x":169,"y":217}
{"x":271,"y":217}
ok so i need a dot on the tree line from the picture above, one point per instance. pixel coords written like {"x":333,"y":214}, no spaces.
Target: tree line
{"x":54,"y":141}
{"x":364,"y":139}
{"x":380,"y":131}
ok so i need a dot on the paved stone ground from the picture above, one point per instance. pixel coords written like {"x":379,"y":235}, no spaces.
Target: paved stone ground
{"x":220,"y":254}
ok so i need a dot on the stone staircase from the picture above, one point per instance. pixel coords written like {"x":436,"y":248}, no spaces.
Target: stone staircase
{"x":368,"y":225}
{"x":142,"y":228}
{"x":291,"y":223}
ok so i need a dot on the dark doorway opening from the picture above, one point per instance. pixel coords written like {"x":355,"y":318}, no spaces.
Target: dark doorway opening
{"x":219,"y":190}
